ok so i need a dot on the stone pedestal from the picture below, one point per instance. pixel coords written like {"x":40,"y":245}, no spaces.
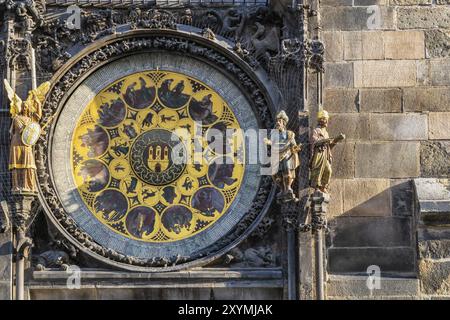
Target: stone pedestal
{"x":21,"y":210}
{"x":320,"y":202}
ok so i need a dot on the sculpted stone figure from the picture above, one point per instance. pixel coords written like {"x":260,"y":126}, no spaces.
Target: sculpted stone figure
{"x":283,"y":143}
{"x":25,"y":132}
{"x":321,"y":159}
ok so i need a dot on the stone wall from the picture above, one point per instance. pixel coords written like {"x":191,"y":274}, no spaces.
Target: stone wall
{"x":388,"y":90}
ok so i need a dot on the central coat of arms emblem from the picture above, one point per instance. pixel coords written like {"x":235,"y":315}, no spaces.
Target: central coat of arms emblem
{"x":153,"y":157}
{"x":158,"y":157}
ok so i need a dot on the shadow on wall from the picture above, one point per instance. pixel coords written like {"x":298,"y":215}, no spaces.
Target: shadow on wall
{"x":373,"y":228}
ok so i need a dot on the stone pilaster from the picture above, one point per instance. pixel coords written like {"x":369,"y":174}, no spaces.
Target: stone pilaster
{"x":319,"y":224}
{"x":6,"y":244}
{"x":6,"y":251}
{"x":21,"y":214}
{"x":290,"y":214}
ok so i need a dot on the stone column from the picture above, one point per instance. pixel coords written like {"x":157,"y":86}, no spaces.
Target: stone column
{"x":6,"y":236}
{"x":6,"y":252}
{"x":320,"y":201}
{"x":290,"y":213}
{"x":21,"y":218}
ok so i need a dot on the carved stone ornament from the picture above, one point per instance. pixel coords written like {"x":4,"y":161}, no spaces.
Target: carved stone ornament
{"x":138,"y":42}
{"x":319,"y":203}
{"x":315,"y":55}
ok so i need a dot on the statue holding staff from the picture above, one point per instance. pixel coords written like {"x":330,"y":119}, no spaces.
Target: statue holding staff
{"x":284,"y":145}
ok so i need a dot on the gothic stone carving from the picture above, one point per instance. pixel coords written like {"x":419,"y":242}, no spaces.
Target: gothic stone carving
{"x":315,"y":52}
{"x":256,"y":28}
{"x":4,"y":217}
{"x":52,"y":259}
{"x":261,"y":257}
{"x":28,"y":14}
{"x":319,"y":203}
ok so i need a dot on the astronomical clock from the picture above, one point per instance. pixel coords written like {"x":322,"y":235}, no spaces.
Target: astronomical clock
{"x":146,"y":165}
{"x":147,"y":146}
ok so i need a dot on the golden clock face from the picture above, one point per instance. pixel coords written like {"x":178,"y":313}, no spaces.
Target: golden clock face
{"x":147,"y":160}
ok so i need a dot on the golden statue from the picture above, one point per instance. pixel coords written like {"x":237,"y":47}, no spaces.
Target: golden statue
{"x":321,"y":158}
{"x":286,"y":147}
{"x":25,"y":131}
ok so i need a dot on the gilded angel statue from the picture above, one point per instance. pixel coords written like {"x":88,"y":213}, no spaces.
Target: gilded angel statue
{"x":25,"y":131}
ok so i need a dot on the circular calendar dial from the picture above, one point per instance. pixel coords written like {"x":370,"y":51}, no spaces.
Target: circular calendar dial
{"x":138,"y":162}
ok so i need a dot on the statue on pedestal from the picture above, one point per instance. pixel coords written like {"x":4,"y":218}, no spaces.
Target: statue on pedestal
{"x":25,"y":131}
{"x":321,"y":157}
{"x":284,"y":145}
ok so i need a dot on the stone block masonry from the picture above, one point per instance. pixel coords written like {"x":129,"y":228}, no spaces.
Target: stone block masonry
{"x":388,"y":90}
{"x":347,"y":18}
{"x":411,"y":126}
{"x":385,"y":73}
{"x":439,"y":123}
{"x":359,"y":45}
{"x":367,"y":197}
{"x":387,"y":159}
{"x":422,"y":99}
{"x":341,"y":100}
{"x":379,"y":45}
{"x":423,"y":17}
{"x":440,"y":72}
{"x":435,"y":159}
{"x":381,"y":100}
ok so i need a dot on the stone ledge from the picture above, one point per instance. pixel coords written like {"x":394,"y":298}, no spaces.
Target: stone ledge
{"x":223,"y":273}
{"x":342,"y":286}
{"x":356,"y":260}
{"x":371,"y":232}
{"x":435,"y":212}
{"x":374,"y":298}
{"x":194,"y":278}
{"x":224,"y":293}
{"x":433,"y":197}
